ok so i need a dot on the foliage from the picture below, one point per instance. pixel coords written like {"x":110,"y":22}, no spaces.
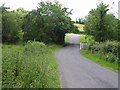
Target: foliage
{"x":66,"y":39}
{"x":80,"y":21}
{"x":80,"y":27}
{"x":20,"y":13}
{"x":48,"y":23}
{"x":108,"y":48}
{"x":11,"y":25}
{"x":118,"y":30}
{"x":29,"y":66}
{"x":85,"y":38}
{"x":112,"y":58}
{"x":104,"y":28}
{"x":9,"y":28}
{"x":101,"y":25}
{"x":32,"y":27}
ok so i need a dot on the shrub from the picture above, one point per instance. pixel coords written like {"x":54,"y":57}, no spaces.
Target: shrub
{"x":34,"y":46}
{"x":110,"y":57}
{"x":108,"y":48}
{"x":111,"y":46}
{"x":93,"y":46}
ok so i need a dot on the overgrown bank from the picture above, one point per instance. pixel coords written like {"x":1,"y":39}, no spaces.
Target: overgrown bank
{"x":29,"y":66}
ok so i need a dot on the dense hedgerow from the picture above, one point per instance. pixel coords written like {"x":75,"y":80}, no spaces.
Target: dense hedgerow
{"x":108,"y":48}
{"x":28,"y":67}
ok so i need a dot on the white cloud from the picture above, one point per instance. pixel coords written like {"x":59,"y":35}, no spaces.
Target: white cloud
{"x":80,"y":7}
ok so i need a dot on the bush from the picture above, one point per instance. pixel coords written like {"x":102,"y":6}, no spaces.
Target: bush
{"x":108,"y":48}
{"x":34,"y":46}
{"x":111,"y":46}
{"x":93,"y":46}
{"x":111,"y":57}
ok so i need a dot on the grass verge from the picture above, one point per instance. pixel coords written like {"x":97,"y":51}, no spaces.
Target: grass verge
{"x":97,"y":58}
{"x":29,"y":66}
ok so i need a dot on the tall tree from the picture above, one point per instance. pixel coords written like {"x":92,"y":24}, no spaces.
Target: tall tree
{"x":9,"y":27}
{"x":48,"y":23}
{"x":100,"y":24}
{"x":12,"y":25}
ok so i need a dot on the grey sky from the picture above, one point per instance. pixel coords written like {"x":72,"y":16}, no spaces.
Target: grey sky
{"x":80,"y":7}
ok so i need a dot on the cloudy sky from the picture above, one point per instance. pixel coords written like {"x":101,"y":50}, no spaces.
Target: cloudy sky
{"x":80,"y":7}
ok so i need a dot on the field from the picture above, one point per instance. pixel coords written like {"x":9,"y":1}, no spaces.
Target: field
{"x":30,"y":66}
{"x":80,"y":27}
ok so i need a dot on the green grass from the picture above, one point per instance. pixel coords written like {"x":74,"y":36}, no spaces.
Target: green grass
{"x":80,"y":27}
{"x":97,"y":58}
{"x":85,"y":38}
{"x":30,"y":66}
{"x":66,"y":39}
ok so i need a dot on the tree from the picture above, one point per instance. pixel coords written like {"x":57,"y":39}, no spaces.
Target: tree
{"x":118,"y":30}
{"x":0,"y":24}
{"x":48,"y":23}
{"x":20,"y":13}
{"x":12,"y":25}
{"x":33,"y":27}
{"x":81,"y":21}
{"x":100,"y":24}
{"x":9,"y":27}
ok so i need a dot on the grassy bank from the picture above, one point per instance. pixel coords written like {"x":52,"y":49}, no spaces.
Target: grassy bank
{"x":99,"y":59}
{"x":30,"y":66}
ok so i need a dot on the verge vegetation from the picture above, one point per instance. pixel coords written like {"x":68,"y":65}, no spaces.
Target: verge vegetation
{"x":30,"y":66}
{"x":105,"y":31}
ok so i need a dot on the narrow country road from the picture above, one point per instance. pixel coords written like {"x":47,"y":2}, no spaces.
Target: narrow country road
{"x":78,"y":72}
{"x":73,"y":38}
